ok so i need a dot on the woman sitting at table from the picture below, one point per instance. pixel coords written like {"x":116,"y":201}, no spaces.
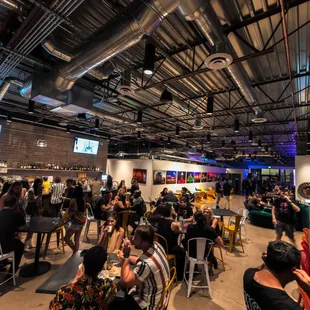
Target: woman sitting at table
{"x":104,"y":206}
{"x":76,"y":214}
{"x":86,"y":290}
{"x":112,"y":234}
{"x":211,"y":220}
{"x":201,"y":230}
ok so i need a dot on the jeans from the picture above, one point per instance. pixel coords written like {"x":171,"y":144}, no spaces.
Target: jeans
{"x":55,"y":209}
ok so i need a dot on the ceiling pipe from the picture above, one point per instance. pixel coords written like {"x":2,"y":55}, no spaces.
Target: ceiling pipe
{"x":10,"y":4}
{"x":145,"y":17}
{"x":202,"y":13}
{"x":51,"y":48}
{"x":6,"y":85}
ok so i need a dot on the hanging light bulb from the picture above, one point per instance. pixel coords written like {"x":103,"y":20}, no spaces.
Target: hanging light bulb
{"x":210,"y":105}
{"x":177,"y":130}
{"x":149,"y":58}
{"x":166,"y":96}
{"x":251,"y":136}
{"x":237,"y":125}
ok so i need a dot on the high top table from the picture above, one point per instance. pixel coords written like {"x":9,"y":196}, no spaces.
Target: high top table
{"x":39,"y":225}
{"x":224,"y":212}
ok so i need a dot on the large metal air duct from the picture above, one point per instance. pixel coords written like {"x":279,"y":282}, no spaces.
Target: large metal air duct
{"x":205,"y":18}
{"x":143,"y":18}
{"x":6,"y":85}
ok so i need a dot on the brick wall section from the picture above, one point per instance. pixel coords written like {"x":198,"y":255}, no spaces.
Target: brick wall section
{"x":18,"y":144}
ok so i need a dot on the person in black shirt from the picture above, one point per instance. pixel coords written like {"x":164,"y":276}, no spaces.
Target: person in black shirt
{"x":184,"y":209}
{"x":68,"y":195}
{"x":170,"y":197}
{"x":218,"y":191}
{"x":282,"y":216}
{"x":10,"y":220}
{"x":201,"y":230}
{"x":227,"y":193}
{"x":264,"y":287}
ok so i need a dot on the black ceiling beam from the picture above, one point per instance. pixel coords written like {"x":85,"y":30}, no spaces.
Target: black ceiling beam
{"x":282,"y":79}
{"x":204,"y":70}
{"x":260,"y":16}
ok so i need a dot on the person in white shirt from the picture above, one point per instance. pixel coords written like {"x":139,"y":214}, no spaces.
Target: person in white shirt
{"x":57,"y":191}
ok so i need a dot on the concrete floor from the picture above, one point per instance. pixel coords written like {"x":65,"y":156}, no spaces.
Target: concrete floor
{"x":226,"y":285}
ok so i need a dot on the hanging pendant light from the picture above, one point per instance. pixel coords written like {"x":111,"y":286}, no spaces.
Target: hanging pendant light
{"x":149,"y":59}
{"x":166,"y":96}
{"x":177,"y":130}
{"x":251,"y":136}
{"x":31,"y":105}
{"x":97,"y":123}
{"x":139,"y":135}
{"x":197,"y":125}
{"x":208,"y":138}
{"x":237,"y":125}
{"x":210,"y":105}
{"x":223,"y":144}
{"x":169,"y":141}
{"x":109,"y":137}
{"x":139,"y":117}
{"x":259,"y":143}
{"x":68,"y":129}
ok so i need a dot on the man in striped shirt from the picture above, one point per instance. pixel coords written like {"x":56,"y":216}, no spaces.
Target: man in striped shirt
{"x":150,"y":274}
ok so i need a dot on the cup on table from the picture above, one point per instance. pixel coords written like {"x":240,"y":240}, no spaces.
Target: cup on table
{"x":27,"y":219}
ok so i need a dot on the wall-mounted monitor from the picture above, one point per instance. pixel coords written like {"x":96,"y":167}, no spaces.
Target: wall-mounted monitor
{"x":86,"y":146}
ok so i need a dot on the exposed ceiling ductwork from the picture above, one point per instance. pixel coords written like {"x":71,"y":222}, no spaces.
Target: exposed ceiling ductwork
{"x":6,"y":85}
{"x":144,"y":18}
{"x":205,"y":18}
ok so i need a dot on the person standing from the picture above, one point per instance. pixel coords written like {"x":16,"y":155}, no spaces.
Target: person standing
{"x":76,"y":214}
{"x":264,"y":286}
{"x":149,"y":276}
{"x":227,"y":189}
{"x":283,"y":216}
{"x":68,"y":195}
{"x":57,"y":191}
{"x":10,"y":220}
{"x":46,"y":186}
{"x":95,"y":187}
{"x":218,"y":191}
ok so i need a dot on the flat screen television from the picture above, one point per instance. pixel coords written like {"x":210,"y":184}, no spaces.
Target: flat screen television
{"x":86,"y":146}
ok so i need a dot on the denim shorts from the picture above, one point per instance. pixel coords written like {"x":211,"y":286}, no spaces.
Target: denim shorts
{"x":288,"y":228}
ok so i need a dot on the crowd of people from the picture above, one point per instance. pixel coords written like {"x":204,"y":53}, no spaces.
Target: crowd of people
{"x":171,"y":217}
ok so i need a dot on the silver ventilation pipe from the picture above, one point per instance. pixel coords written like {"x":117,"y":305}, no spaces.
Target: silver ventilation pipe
{"x":205,"y":18}
{"x":144,"y":18}
{"x":50,"y":48}
{"x":6,"y":85}
{"x":9,"y":4}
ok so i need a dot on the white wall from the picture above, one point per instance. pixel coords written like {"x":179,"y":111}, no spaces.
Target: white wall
{"x":302,"y":172}
{"x":122,"y":169}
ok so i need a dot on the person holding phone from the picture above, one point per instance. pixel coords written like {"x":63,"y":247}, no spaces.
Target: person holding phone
{"x":283,"y":216}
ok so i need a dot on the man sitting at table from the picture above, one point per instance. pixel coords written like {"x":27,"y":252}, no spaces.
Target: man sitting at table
{"x":86,"y":290}
{"x":10,"y":220}
{"x":150,"y":274}
{"x":184,"y":209}
{"x":170,"y":197}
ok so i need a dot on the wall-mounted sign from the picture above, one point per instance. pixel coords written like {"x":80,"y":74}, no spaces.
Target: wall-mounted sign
{"x":304,"y":190}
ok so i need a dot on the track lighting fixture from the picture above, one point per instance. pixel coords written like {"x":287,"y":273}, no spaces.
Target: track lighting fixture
{"x":210,"y":104}
{"x":149,"y":59}
{"x":166,"y":96}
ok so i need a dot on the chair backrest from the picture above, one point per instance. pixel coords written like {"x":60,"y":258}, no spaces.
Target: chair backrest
{"x":89,"y":212}
{"x":201,"y":244}
{"x":237,"y":220}
{"x":245,"y":213}
{"x":164,"y":300}
{"x":162,"y":241}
